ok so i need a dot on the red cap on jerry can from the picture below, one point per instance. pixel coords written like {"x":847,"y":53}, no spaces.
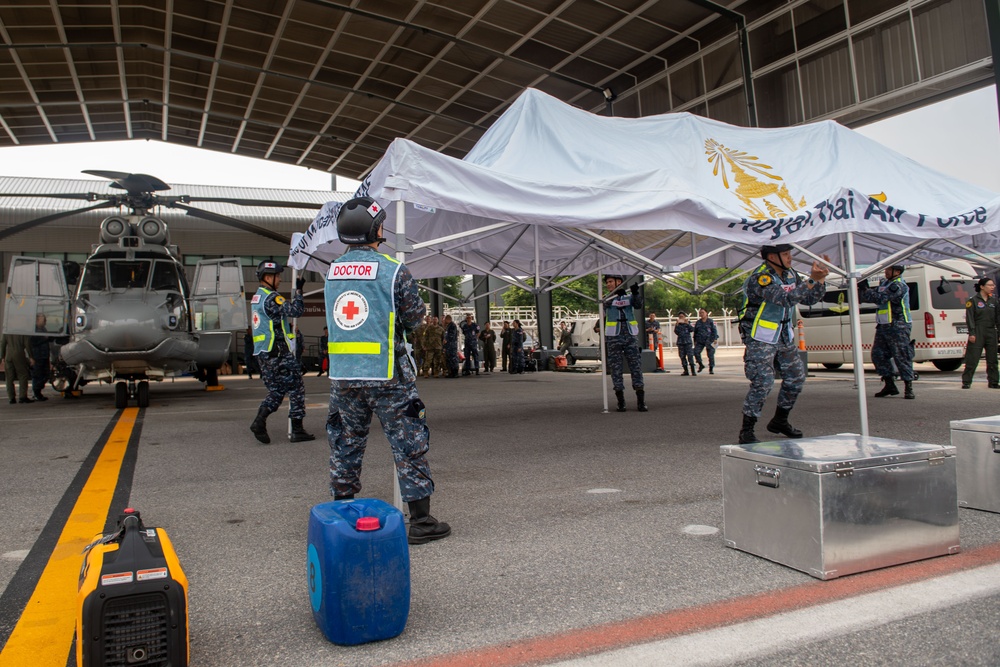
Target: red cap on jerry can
{"x":368,"y":523}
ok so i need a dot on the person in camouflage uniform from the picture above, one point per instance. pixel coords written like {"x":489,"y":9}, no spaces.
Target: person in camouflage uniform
{"x":770,"y":295}
{"x":370,"y":369}
{"x":981,"y":313}
{"x":470,"y":335}
{"x":515,"y":364}
{"x":417,"y":341}
{"x":433,"y":345}
{"x":892,"y":330}
{"x":685,"y":345}
{"x":620,"y":331}
{"x":280,"y":371}
{"x":451,"y":346}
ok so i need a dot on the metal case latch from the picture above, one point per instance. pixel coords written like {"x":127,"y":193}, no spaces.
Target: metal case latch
{"x":937,"y":458}
{"x":767,"y":476}
{"x":995,"y":439}
{"x":844,"y":469}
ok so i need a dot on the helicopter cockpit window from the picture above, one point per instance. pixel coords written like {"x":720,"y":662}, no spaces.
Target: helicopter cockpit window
{"x":165,"y":277}
{"x":94,"y":277}
{"x":125,"y":274}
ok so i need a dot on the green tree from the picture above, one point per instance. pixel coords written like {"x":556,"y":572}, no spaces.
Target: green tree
{"x":449,"y":285}
{"x":587,"y":285}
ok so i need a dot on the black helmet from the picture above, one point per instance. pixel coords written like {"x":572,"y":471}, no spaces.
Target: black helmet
{"x":899,"y":268}
{"x":268,"y":267}
{"x":776,"y":249}
{"x":358,"y":221}
{"x":614,"y":276}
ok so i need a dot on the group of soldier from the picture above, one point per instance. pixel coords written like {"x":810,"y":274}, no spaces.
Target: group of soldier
{"x":435,"y":347}
{"x":26,"y":359}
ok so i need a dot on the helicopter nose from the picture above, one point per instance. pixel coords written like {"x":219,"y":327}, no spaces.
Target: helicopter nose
{"x":126,"y":325}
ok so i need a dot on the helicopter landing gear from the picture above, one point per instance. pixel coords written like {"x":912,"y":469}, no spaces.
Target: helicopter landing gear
{"x":121,"y":395}
{"x":124,"y":391}
{"x":142,"y":394}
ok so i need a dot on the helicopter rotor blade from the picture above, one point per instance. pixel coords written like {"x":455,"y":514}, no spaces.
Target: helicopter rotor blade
{"x":232,"y":222}
{"x":24,"y":226}
{"x":134,"y":184}
{"x":86,"y":196}
{"x":253,"y":202}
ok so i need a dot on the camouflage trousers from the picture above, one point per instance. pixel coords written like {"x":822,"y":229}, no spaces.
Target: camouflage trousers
{"x":282,"y":375}
{"x":621,"y":348}
{"x":402,"y":415}
{"x":892,"y":343}
{"x":471,"y":364}
{"x":760,"y":362}
{"x":686,"y":353}
{"x":451,"y":359}
{"x":433,"y":362}
{"x":709,"y":350}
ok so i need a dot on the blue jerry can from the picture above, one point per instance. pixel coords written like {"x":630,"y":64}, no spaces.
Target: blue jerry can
{"x":358,"y":570}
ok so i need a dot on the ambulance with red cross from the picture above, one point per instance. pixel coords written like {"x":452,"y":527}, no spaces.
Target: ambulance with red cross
{"x":937,"y":306}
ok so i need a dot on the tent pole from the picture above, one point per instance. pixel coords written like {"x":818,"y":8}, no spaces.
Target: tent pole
{"x":600,"y":329}
{"x":397,"y":495}
{"x":859,"y":371}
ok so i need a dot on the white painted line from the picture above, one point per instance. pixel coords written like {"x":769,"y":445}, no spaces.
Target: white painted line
{"x":20,"y":554}
{"x":604,"y":490}
{"x":765,"y":636}
{"x":696,"y":529}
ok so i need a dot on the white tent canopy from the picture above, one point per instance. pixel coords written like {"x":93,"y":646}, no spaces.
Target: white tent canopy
{"x":554,"y":190}
{"x":551,"y":190}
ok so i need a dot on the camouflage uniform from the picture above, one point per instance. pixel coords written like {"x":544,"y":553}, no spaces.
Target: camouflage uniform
{"x":685,"y":346}
{"x":417,"y":340}
{"x":451,"y":349}
{"x":470,"y":333}
{"x":892,"y":339}
{"x":394,"y":401}
{"x":433,"y":342}
{"x":516,"y":361}
{"x":705,"y":336}
{"x":625,"y":346}
{"x":279,"y":370}
{"x":981,"y":318}
{"x":760,"y":359}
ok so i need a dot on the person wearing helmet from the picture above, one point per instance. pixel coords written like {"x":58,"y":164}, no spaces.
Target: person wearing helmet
{"x":981,"y":313}
{"x":273,"y":344}
{"x":766,"y":318}
{"x":372,"y":301}
{"x":620,"y":331}
{"x":892,"y":330}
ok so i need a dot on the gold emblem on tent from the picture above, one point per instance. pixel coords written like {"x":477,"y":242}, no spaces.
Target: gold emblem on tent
{"x":762,"y":193}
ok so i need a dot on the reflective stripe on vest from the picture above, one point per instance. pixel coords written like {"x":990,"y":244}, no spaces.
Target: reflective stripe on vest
{"x":768,"y":319}
{"x":884,"y":314}
{"x":364,"y":351}
{"x":611,"y":319}
{"x":263,"y":334}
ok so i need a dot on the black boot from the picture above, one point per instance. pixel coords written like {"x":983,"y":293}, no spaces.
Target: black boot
{"x":423,"y":527}
{"x":620,"y":395}
{"x":640,"y":397}
{"x":908,"y":391}
{"x":746,"y":433}
{"x":298,"y":433}
{"x":889,"y":389}
{"x":259,"y":427}
{"x":779,"y":424}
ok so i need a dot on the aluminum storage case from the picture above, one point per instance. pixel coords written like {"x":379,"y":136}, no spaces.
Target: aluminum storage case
{"x":840,"y":504}
{"x":977,"y":445}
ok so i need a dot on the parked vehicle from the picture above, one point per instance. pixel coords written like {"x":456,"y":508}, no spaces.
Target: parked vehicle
{"x":937,"y":308}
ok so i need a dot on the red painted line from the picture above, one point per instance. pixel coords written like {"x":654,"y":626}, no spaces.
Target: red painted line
{"x":601,"y":638}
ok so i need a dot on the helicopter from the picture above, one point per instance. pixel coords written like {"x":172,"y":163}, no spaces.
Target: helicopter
{"x":128,"y":316}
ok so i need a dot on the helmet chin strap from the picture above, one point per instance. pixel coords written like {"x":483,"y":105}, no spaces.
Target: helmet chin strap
{"x":780,"y":262}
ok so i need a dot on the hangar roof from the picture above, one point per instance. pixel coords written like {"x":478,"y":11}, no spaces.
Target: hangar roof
{"x":328,"y":84}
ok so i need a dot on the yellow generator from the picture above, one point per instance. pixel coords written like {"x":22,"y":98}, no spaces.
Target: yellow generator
{"x":132,"y":602}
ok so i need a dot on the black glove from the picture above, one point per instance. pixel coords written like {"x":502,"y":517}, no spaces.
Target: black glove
{"x":300,"y":283}
{"x":635,"y":289}
{"x":620,"y":291}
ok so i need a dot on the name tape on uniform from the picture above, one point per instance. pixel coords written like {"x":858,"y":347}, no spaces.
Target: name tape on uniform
{"x":353,"y":271}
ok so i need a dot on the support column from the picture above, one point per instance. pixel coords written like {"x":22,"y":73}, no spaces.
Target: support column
{"x":481,"y":285}
{"x":437,"y":303}
{"x":543,"y":306}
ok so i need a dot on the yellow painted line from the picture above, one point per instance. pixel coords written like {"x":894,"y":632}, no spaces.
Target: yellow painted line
{"x":43,"y":635}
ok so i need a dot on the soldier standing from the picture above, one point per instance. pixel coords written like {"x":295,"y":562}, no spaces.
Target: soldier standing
{"x":685,"y":345}
{"x":892,"y":330}
{"x":433,"y":343}
{"x":40,"y":353}
{"x":706,"y":335}
{"x":489,"y":338}
{"x":371,"y":301}
{"x":15,"y":350}
{"x":516,"y":362}
{"x":770,"y":295}
{"x":981,"y":319}
{"x":451,"y":346}
{"x":470,"y":335}
{"x":272,"y":347}
{"x":417,"y":336}
{"x":505,"y":332}
{"x":620,"y":331}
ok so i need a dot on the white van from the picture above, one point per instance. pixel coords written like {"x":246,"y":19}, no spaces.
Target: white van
{"x":937,"y":308}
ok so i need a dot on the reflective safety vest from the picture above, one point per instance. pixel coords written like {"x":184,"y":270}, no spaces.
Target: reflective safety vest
{"x":612,"y":316}
{"x":768,"y":318}
{"x":360,"y":316}
{"x":263,"y":326}
{"x":884,"y":313}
